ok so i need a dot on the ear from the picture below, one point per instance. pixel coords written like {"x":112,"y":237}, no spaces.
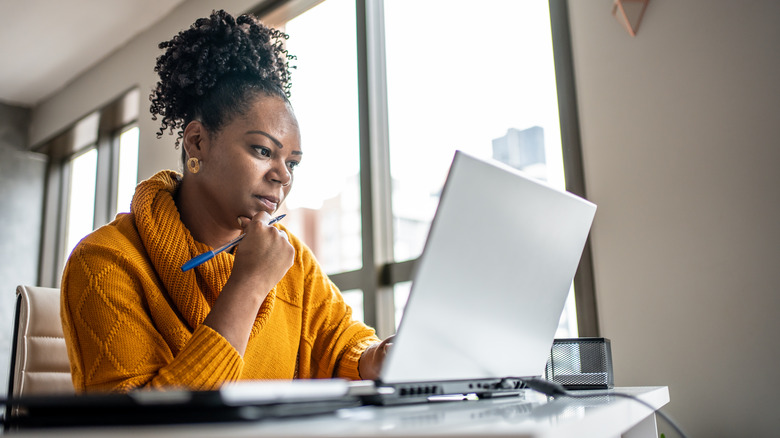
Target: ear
{"x":195,"y":139}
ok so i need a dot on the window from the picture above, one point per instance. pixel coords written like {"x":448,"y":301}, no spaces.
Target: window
{"x":324,"y":207}
{"x":91,"y":177}
{"x":127,"y":176}
{"x":485,"y":84}
{"x":480,"y":77}
{"x":80,"y":217}
{"x":476,"y":76}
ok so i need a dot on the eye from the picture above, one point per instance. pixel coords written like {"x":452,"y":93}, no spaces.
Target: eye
{"x":262,"y":150}
{"x":293,"y":165}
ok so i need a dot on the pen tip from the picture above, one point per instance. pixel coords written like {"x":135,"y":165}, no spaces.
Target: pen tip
{"x":276,"y":219}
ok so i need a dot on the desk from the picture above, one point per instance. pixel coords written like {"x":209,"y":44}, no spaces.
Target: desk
{"x":532,"y":415}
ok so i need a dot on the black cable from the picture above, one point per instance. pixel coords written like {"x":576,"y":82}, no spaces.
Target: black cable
{"x":553,"y":389}
{"x":5,"y":406}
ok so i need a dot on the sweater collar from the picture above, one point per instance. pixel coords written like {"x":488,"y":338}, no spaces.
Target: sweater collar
{"x":169,"y":245}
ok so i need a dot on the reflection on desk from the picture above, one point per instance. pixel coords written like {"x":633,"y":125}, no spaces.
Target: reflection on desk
{"x":528,"y":415}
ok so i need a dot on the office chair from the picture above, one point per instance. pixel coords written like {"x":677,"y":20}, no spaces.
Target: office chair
{"x":39,"y":357}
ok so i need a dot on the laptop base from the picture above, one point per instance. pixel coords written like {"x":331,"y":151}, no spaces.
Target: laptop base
{"x":424,"y":392}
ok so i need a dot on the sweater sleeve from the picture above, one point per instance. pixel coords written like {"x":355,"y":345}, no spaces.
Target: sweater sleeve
{"x":337,"y":341}
{"x":112,"y":340}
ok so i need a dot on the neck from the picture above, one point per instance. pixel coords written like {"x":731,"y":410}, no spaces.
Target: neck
{"x":201,"y":223}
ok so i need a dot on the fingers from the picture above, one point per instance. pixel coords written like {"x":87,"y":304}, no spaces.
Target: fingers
{"x":258,"y":221}
{"x":387,"y":342}
{"x":373,"y":357}
{"x":243,"y":221}
{"x":262,"y":217}
{"x":265,"y":254}
{"x":261,"y":239}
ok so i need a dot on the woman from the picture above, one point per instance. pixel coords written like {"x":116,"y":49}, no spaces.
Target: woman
{"x":132,"y":318}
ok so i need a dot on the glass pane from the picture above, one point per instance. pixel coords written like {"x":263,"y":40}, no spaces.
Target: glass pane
{"x":324,"y":205}
{"x":490,"y":93}
{"x":354,"y":299}
{"x":128,"y":169}
{"x":81,"y":198}
{"x":567,"y":325}
{"x":401,"y":296}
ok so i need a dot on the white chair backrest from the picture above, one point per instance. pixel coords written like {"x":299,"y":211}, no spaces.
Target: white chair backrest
{"x":39,"y":359}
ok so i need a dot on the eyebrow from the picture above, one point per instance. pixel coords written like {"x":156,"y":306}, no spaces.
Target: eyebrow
{"x":273,"y":139}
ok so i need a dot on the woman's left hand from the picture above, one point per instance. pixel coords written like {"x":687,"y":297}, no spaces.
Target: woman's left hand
{"x":372,"y":359}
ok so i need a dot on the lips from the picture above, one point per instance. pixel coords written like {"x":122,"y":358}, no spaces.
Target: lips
{"x":269,"y":202}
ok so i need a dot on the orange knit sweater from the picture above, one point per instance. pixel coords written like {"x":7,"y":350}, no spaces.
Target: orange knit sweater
{"x":132,"y":318}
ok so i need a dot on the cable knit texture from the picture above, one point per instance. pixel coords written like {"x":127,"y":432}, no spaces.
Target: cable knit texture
{"x":133,"y":319}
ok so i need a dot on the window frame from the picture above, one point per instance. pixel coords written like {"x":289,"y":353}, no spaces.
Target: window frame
{"x":113,"y":120}
{"x":571,"y":144}
{"x":380,"y":272}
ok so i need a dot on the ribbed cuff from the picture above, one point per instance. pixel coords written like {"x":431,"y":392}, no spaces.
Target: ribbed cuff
{"x":350,"y":361}
{"x":206,"y":362}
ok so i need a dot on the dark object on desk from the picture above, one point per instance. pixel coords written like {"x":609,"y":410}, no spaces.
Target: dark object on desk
{"x":270,"y":400}
{"x":581,"y":363}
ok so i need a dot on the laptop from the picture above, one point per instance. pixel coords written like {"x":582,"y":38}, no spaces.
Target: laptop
{"x":489,"y":288}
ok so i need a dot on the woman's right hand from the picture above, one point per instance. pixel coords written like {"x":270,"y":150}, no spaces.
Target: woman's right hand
{"x":264,"y":255}
{"x":262,"y":258}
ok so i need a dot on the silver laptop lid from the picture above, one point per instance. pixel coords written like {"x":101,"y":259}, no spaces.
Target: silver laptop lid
{"x":491,"y":284}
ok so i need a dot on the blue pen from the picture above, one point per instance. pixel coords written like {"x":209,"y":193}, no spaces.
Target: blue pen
{"x":208,"y":255}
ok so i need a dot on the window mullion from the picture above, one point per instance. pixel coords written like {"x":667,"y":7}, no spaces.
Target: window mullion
{"x":114,"y":142}
{"x":53,"y":232}
{"x":374,"y":164}
{"x":380,"y":163}
{"x":584,"y":285}
{"x":105,"y":183}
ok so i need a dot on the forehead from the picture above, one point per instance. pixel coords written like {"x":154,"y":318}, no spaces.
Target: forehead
{"x":273,"y":115}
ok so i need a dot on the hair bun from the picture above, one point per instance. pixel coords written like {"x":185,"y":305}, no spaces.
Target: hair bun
{"x":213,"y":48}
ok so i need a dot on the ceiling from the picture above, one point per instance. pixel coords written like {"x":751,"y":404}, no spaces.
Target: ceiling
{"x":45,"y":44}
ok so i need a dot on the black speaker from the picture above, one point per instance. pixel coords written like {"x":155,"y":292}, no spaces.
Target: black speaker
{"x":581,"y":363}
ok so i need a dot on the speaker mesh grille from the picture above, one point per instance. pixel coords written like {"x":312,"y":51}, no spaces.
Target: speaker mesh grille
{"x":581,"y":363}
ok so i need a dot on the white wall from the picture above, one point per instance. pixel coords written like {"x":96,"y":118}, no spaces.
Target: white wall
{"x":681,"y":144}
{"x":128,"y":67}
{"x":21,"y":198}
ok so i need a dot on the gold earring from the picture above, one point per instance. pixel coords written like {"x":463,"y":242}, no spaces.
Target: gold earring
{"x":193,"y":165}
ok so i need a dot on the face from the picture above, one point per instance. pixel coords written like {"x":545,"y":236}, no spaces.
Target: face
{"x":249,"y":165}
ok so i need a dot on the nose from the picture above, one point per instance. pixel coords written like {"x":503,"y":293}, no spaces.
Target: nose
{"x":280,"y":173}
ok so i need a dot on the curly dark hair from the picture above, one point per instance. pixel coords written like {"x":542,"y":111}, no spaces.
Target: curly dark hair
{"x":212,"y":71}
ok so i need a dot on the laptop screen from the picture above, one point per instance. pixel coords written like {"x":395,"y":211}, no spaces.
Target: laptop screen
{"x":491,"y":284}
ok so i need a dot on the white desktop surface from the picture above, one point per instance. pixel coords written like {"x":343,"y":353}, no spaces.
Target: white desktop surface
{"x":533,"y":416}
